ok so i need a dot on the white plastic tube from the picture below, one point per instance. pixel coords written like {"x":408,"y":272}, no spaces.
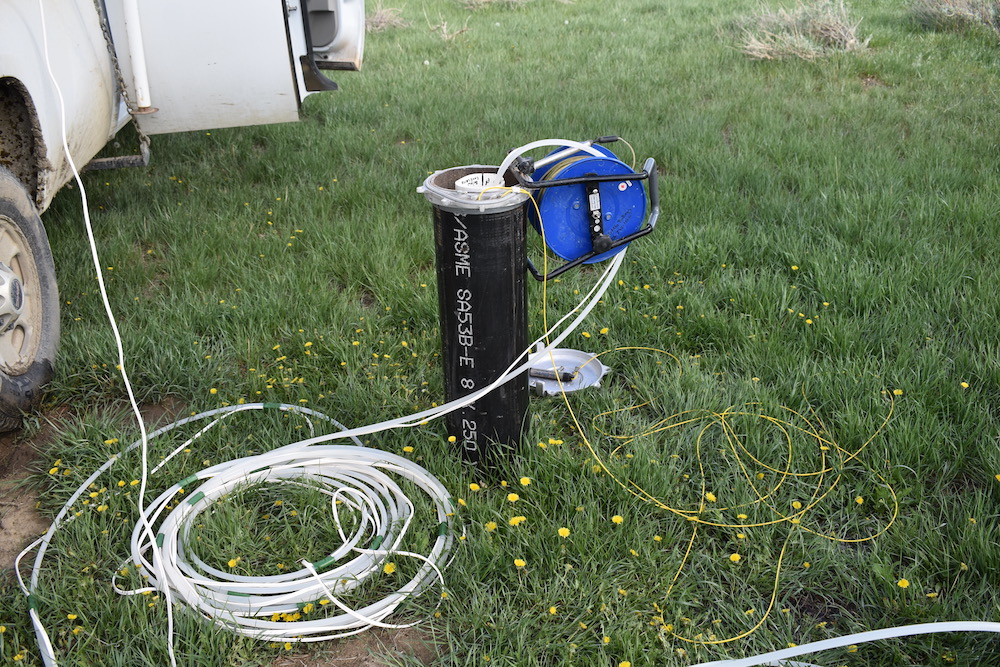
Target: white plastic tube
{"x":541,"y":143}
{"x":784,"y":655}
{"x":360,"y":478}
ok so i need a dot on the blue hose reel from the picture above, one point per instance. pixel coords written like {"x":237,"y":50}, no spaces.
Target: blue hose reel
{"x":590,"y":207}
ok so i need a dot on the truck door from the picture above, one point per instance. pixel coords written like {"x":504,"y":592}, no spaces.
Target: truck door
{"x":229,"y":63}
{"x":337,"y":30}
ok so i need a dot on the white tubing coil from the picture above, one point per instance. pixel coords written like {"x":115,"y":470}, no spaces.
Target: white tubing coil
{"x":359,"y":478}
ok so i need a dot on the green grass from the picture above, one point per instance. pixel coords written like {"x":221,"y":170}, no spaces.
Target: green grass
{"x":857,"y":192}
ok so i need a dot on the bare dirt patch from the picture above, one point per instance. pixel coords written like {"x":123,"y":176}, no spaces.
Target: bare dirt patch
{"x":20,"y":456}
{"x":375,"y":648}
{"x":871,"y":81}
{"x":20,"y":522}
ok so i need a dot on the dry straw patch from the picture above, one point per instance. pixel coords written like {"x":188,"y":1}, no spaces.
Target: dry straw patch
{"x":383,"y":18}
{"x":957,"y":15}
{"x":477,"y":4}
{"x":808,"y":31}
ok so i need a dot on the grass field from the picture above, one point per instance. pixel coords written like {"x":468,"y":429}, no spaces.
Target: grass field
{"x":816,"y":426}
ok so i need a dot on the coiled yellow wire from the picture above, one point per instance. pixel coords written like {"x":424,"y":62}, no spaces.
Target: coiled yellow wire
{"x":826,"y":478}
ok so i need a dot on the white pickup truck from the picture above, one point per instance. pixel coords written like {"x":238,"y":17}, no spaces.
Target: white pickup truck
{"x":77,"y":71}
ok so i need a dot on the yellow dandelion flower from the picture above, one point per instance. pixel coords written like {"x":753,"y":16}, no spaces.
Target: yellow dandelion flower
{"x":617,"y":519}
{"x":408,"y":449}
{"x":474,"y":487}
{"x":513,"y":497}
{"x":525,"y":481}
{"x":213,"y":391}
{"x":461,"y":501}
{"x":452,"y":438}
{"x":897,"y":392}
{"x":860,"y":500}
{"x":491,"y":526}
{"x":657,"y":538}
{"x":604,"y":330}
{"x":564,"y":532}
{"x":710,"y":497}
{"x":517,"y":520}
{"x":735,"y":558}
{"x":932,"y":595}
{"x":624,"y":663}
{"x":553,"y":610}
{"x":585,"y":334}
{"x":519,"y":562}
{"x":71,"y":617}
{"x":234,"y":561}
{"x":389,"y":567}
{"x":807,"y":565}
{"x":965,"y":385}
{"x":903,"y":583}
{"x":796,"y":505}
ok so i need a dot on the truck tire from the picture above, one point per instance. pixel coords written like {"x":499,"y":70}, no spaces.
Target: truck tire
{"x":29,"y":304}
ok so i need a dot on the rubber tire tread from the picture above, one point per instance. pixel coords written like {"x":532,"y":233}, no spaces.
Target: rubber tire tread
{"x":22,"y":393}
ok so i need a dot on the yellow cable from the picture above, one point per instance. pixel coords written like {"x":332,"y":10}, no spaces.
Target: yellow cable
{"x":813,"y":429}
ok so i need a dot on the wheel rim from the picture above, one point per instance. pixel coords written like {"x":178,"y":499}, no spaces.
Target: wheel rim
{"x":20,"y":311}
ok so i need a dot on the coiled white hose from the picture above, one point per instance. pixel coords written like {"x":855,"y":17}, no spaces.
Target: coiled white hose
{"x":359,"y":478}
